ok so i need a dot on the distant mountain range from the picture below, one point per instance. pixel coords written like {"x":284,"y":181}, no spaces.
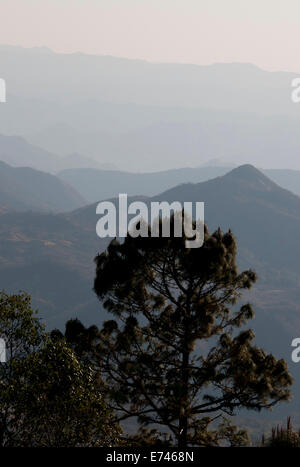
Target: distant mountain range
{"x":156,"y":117}
{"x":42,"y":74}
{"x":175,"y":137}
{"x":96,"y":185}
{"x":24,"y":189}
{"x":18,"y":152}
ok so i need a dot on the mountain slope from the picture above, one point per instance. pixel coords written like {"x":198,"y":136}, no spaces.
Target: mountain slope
{"x":264,"y":217}
{"x":18,"y":152}
{"x":23,"y":189}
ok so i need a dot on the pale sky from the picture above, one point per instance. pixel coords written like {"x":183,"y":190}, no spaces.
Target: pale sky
{"x":262,"y":32}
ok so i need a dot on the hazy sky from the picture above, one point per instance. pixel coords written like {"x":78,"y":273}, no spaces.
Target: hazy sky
{"x":263,"y":32}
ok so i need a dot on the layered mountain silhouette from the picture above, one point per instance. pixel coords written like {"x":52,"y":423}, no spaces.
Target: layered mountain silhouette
{"x":161,"y":115}
{"x":18,"y":152}
{"x":221,"y":85}
{"x":261,"y":214}
{"x":264,"y":217}
{"x":24,"y":189}
{"x":95,"y":185}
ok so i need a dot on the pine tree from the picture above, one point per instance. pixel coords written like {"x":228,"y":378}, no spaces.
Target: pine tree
{"x":174,"y":355}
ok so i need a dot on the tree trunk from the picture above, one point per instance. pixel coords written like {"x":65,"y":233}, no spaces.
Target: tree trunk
{"x":183,"y":416}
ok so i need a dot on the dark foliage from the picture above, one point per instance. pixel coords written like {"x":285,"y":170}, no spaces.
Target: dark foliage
{"x":173,"y":357}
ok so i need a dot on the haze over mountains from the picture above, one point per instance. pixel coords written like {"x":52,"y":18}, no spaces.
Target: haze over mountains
{"x":16,"y":151}
{"x":143,"y":116}
{"x":145,"y":83}
{"x":96,"y":185}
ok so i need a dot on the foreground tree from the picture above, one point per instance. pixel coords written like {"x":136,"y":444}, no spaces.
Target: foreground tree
{"x":22,"y":333}
{"x":48,"y":397}
{"x":57,"y":402}
{"x":173,"y":356}
{"x":82,"y":340}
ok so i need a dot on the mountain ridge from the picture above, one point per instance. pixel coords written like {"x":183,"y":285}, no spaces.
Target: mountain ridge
{"x":24,"y":189}
{"x":96,"y":185}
